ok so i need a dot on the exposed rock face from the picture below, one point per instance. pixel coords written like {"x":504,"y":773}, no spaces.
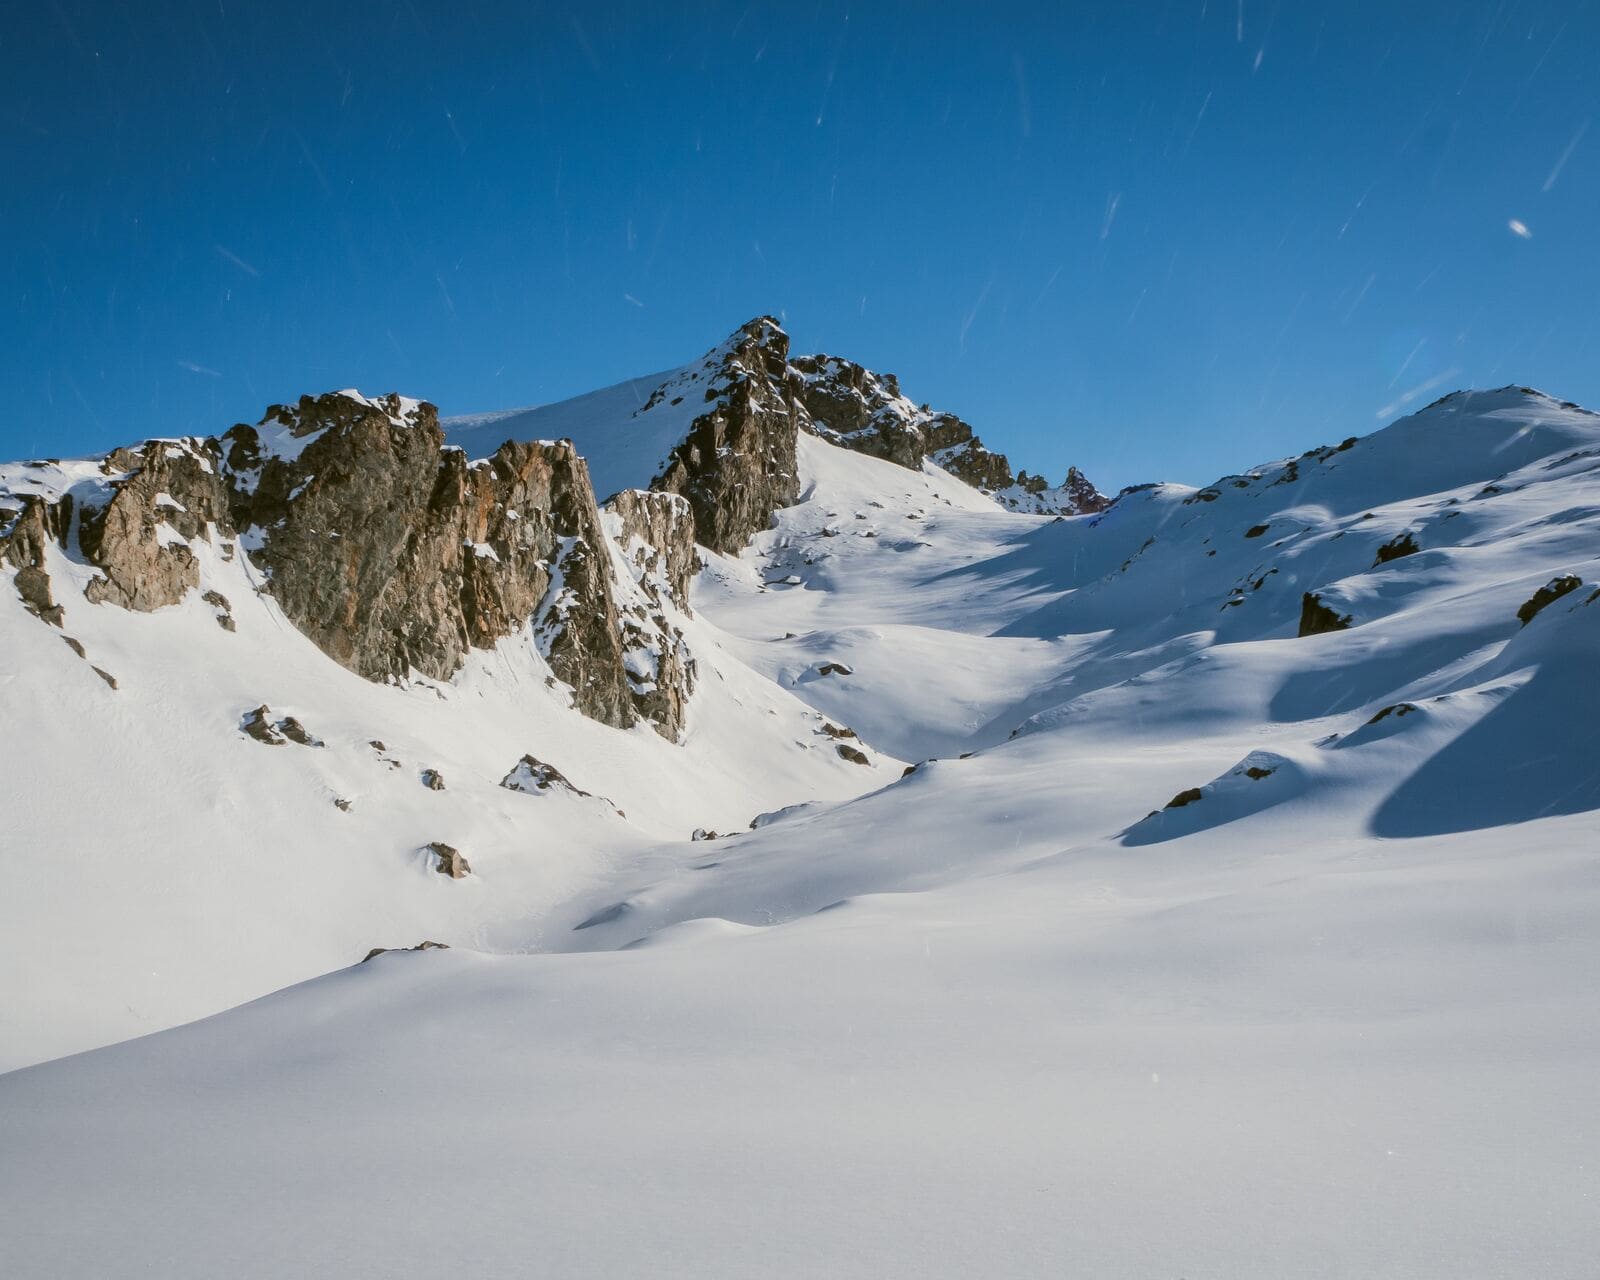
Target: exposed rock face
{"x":653,"y":533}
{"x":395,"y":554}
{"x":737,"y":464}
{"x":1317,"y":618}
{"x":162,"y":494}
{"x":1185,"y":798}
{"x":25,"y":530}
{"x":851,"y":406}
{"x":1547,"y":595}
{"x":656,"y":533}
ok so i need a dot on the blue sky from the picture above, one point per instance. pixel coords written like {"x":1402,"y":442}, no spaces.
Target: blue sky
{"x":1158,"y":240}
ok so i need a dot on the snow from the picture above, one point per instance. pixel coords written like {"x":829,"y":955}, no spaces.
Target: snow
{"x":1008,"y":1013}
{"x":625,"y":432}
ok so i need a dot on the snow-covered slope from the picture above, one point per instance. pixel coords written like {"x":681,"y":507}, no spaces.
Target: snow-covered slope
{"x":1243,"y":925}
{"x":625,"y":445}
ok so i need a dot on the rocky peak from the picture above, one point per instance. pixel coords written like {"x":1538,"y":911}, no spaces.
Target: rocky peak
{"x":736,"y":464}
{"x":1073,"y":496}
{"x":854,"y":407}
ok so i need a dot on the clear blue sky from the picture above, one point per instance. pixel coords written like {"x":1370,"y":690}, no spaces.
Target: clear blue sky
{"x":1157,"y":240}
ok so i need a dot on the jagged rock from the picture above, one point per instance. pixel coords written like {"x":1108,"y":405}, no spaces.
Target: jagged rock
{"x":341,"y":804}
{"x":219,"y":602}
{"x":851,"y":406}
{"x":1317,"y":618}
{"x":394,"y":554}
{"x":105,"y":675}
{"x":1403,"y":544}
{"x":852,"y":754}
{"x":296,"y":732}
{"x":24,"y":534}
{"x":702,"y":833}
{"x":1255,"y":773}
{"x":1083,"y":496}
{"x":163,"y":494}
{"x":433,"y":779}
{"x":737,"y":464}
{"x":834,"y":669}
{"x":449,"y":861}
{"x":835,"y":731}
{"x":76,"y":646}
{"x":421,"y":946}
{"x":531,"y":774}
{"x":1256,"y":530}
{"x":1185,"y":797}
{"x":656,"y":532}
{"x":258,"y":726}
{"x":1547,"y":595}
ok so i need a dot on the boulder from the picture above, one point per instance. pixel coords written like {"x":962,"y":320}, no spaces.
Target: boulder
{"x":448,"y":860}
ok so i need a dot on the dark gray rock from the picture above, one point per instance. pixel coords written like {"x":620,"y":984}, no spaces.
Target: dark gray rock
{"x":737,"y":464}
{"x":1547,"y":595}
{"x":1317,"y":618}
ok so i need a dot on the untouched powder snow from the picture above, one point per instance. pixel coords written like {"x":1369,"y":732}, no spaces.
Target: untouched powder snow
{"x":1200,"y":949}
{"x":624,"y":446}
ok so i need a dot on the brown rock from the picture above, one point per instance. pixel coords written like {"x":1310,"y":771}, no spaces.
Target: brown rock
{"x":421,"y":946}
{"x":449,"y":860}
{"x":737,"y":464}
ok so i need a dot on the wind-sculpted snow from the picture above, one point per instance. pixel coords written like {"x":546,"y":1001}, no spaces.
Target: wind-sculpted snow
{"x":1145,"y":908}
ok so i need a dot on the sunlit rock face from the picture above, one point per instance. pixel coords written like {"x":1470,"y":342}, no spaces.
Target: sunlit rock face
{"x":856,"y":408}
{"x":736,"y":465}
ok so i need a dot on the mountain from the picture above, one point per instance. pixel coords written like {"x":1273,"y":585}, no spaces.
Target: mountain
{"x":854,"y":856}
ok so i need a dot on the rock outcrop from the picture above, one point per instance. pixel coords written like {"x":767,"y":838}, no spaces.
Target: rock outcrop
{"x":736,"y":466}
{"x":25,"y":530}
{"x":396,"y":554}
{"x":1547,"y":595}
{"x":162,"y":494}
{"x":852,"y":406}
{"x":653,"y":534}
{"x":1316,"y":618}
